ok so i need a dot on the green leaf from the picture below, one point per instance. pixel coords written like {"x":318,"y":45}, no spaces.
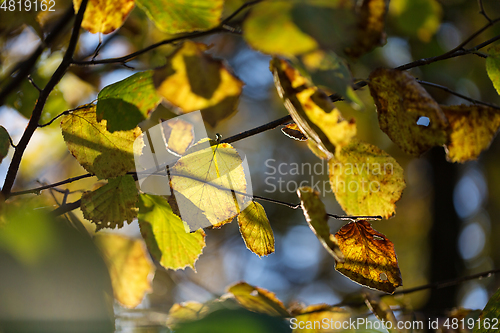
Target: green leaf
{"x":315,"y":213}
{"x":130,"y":267}
{"x":256,"y":230}
{"x":493,"y":66}
{"x":258,"y":299}
{"x":111,"y":204}
{"x":366,"y":180}
{"x":420,"y":18}
{"x":100,"y":152}
{"x":126,"y":103}
{"x":165,"y":235}
{"x":175,"y":16}
{"x":489,"y":317}
{"x":4,"y":143}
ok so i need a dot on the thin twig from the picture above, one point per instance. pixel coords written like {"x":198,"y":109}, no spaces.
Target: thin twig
{"x":48,"y":186}
{"x":30,"y":79}
{"x":481,"y":10}
{"x":65,"y":113}
{"x":37,"y":111}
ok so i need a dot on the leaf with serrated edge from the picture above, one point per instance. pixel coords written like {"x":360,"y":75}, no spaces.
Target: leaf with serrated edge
{"x":311,"y":109}
{"x":369,"y":257}
{"x":256,"y":230}
{"x":111,"y":204}
{"x":211,"y":177}
{"x":366,"y":180}
{"x":4,"y":143}
{"x":165,"y":235}
{"x":472,"y":128}
{"x":126,"y":103}
{"x":129,"y":266}
{"x":193,"y":80}
{"x":104,"y":16}
{"x":100,"y":152}
{"x":176,"y":16}
{"x":315,"y":213}
{"x":401,"y":101}
{"x":258,"y":299}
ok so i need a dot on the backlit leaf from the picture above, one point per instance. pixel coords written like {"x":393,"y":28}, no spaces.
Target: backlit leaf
{"x":192,"y":80}
{"x":472,"y":127}
{"x":165,"y":236}
{"x":210,"y":179}
{"x":493,"y":66}
{"x":129,"y":266}
{"x":370,"y":259}
{"x":111,"y":204}
{"x":256,"y":230}
{"x":175,"y":16}
{"x":258,"y":299}
{"x":186,"y":311}
{"x":366,"y":180}
{"x":490,"y":314}
{"x":315,"y":213}
{"x":126,"y":103}
{"x":311,"y":109}
{"x":179,"y":135}
{"x":321,"y":313}
{"x":100,"y":152}
{"x":370,"y":27}
{"x":104,"y":16}
{"x":420,"y":18}
{"x":4,"y":143}
{"x":401,"y":102}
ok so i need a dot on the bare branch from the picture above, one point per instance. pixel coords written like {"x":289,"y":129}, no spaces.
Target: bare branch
{"x":481,"y":10}
{"x":45,"y":187}
{"x":30,"y":79}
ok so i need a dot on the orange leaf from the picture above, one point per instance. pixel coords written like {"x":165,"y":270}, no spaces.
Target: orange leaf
{"x":369,"y":257}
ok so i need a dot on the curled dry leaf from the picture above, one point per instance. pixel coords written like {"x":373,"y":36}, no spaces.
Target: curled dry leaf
{"x":401,"y":102}
{"x":472,"y":128}
{"x":370,"y":259}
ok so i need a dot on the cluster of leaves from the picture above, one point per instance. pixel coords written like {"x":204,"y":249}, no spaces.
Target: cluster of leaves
{"x":311,"y":43}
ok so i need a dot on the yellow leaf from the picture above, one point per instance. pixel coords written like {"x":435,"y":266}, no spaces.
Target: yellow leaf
{"x":111,"y":204}
{"x":179,"y":135}
{"x":100,"y":152}
{"x":129,"y":266}
{"x":380,"y":309}
{"x":185,"y":312}
{"x":370,"y":259}
{"x":211,"y":181}
{"x":165,"y":236}
{"x":104,"y":16}
{"x":366,"y":180}
{"x":258,"y":299}
{"x":472,"y":128}
{"x":321,"y":313}
{"x":315,"y":213}
{"x":311,"y":109}
{"x":256,"y":230}
{"x":192,"y":80}
{"x":401,"y":102}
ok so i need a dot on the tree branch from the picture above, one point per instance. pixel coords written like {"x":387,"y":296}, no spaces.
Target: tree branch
{"x":37,"y":111}
{"x":45,"y":187}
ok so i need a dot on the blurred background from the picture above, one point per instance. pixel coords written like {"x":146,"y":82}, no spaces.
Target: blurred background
{"x":445,"y":224}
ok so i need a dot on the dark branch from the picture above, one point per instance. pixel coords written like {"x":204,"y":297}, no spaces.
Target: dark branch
{"x":481,"y":10}
{"x":45,"y":187}
{"x":30,"y":79}
{"x":37,"y":111}
{"x":65,"y":113}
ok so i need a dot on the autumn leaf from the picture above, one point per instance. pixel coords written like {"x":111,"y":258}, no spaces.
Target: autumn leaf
{"x":165,"y":235}
{"x":293,"y":131}
{"x":256,"y":230}
{"x":179,"y":135}
{"x":472,"y":128}
{"x":258,"y":299}
{"x":104,"y":16}
{"x":311,"y":109}
{"x":493,"y":66}
{"x":380,"y":309}
{"x":176,"y":16}
{"x":100,"y":152}
{"x":192,"y":80}
{"x":420,"y":18}
{"x":320,"y":313}
{"x":370,"y":27}
{"x":209,"y":183}
{"x":490,"y":315}
{"x":370,"y":259}
{"x":185,"y":312}
{"x":4,"y":143}
{"x":366,"y":180}
{"x":129,"y":266}
{"x":401,"y":102}
{"x":126,"y":103}
{"x":315,"y":213}
{"x":111,"y":204}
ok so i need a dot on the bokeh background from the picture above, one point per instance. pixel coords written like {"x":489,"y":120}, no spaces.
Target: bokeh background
{"x":446,"y":224}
